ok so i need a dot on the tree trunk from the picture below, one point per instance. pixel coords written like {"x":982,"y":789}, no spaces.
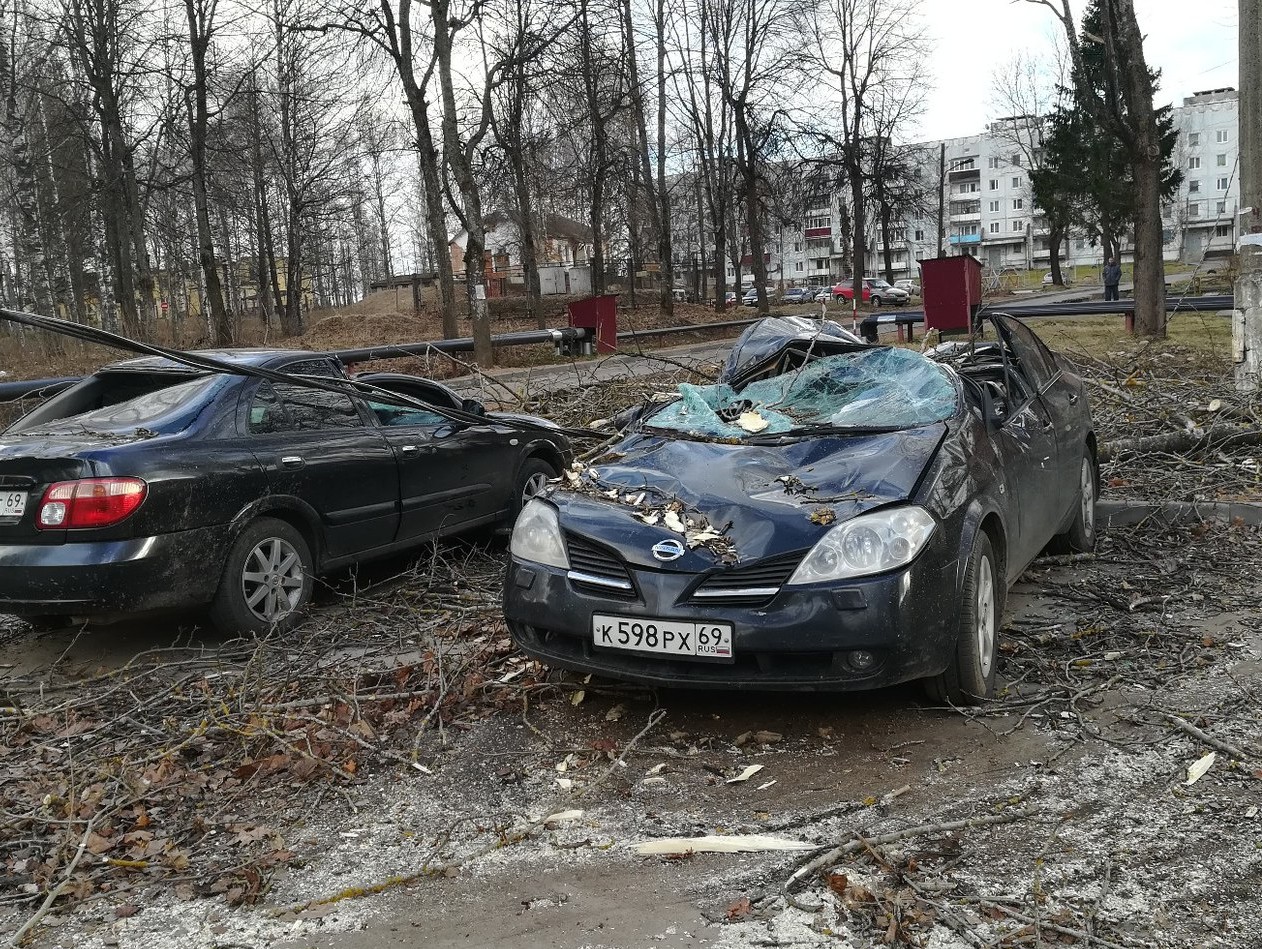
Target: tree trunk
{"x":1149,"y":269}
{"x":1054,"y":238}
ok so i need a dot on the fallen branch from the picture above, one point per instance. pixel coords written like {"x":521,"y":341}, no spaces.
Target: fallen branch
{"x":57,"y":890}
{"x":1183,"y":724}
{"x":862,"y":843}
{"x":1180,"y":441}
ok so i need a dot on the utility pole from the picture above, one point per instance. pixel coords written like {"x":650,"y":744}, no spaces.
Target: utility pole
{"x":1246,"y":325}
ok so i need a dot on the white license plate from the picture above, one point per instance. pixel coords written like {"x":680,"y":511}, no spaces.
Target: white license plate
{"x":667,"y":636}
{"x":12,"y":503}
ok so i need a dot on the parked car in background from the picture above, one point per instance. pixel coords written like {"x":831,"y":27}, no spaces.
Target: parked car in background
{"x":798,"y":295}
{"x":883,"y":292}
{"x":822,"y":294}
{"x":830,"y":515}
{"x":844,"y":291}
{"x":1048,"y":280}
{"x":911,"y":286}
{"x":150,"y":485}
{"x":730,"y":298}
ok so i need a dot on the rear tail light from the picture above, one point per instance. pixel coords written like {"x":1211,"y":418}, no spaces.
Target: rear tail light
{"x":91,"y":502}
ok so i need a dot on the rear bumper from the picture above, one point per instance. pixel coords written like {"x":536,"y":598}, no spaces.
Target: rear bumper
{"x":168,"y":571}
{"x":800,"y":641}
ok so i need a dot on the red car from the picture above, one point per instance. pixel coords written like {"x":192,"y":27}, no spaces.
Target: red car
{"x":845,"y":291}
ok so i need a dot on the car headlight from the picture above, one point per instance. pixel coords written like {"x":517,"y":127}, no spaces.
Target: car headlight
{"x":537,"y":536}
{"x":870,"y":543}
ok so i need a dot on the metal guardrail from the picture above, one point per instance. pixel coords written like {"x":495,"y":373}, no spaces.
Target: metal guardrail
{"x":570,"y":334}
{"x":43,"y":388}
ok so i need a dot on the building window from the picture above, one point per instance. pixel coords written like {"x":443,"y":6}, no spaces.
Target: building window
{"x":1222,"y":207}
{"x":798,"y":266}
{"x":822,"y":221}
{"x":1016,"y":160}
{"x":994,"y":227}
{"x":1220,"y":136}
{"x":1194,"y":209}
{"x":1222,"y":183}
{"x":1194,"y":138}
{"x":992,"y":162}
{"x":1016,"y":182}
{"x":1018,"y":204}
{"x":1194,"y":162}
{"x":797,"y":247}
{"x":1221,"y":161}
{"x":994,"y":207}
{"x":1080,"y":244}
{"x":920,"y":235}
{"x":1018,"y":226}
{"x":994,"y":184}
{"x":1194,"y":185}
{"x":961,"y":164}
{"x":1222,"y":230}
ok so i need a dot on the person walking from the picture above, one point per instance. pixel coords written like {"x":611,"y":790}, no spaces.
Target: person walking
{"x":1112,"y":277}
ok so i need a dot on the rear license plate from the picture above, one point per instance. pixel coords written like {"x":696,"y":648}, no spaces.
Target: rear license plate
{"x":666,"y":636}
{"x":12,"y":503}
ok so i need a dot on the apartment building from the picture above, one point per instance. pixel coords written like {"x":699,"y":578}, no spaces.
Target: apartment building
{"x":990,"y":212}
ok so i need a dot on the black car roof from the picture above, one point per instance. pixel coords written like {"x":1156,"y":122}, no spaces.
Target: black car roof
{"x":240,"y":357}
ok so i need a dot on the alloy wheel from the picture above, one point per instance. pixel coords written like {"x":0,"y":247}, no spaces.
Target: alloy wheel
{"x":272,"y":579}
{"x":534,"y":486}
{"x":985,"y":615}
{"x":1086,"y":494}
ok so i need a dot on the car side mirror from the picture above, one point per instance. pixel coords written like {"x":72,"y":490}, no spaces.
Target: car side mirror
{"x":473,"y":407}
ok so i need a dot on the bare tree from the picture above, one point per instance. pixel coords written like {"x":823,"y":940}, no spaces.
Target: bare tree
{"x":871,"y":50}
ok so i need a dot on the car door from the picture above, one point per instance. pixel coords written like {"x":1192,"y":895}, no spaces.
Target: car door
{"x":317,"y":446}
{"x":450,"y":473}
{"x":1061,"y":394}
{"x":1026,"y":439}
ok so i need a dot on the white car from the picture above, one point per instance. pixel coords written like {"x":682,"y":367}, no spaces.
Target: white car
{"x":911,"y":286}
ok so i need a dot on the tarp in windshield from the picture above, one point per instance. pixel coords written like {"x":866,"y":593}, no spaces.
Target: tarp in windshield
{"x":869,"y":388}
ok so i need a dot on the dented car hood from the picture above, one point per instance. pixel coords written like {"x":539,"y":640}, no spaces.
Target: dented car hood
{"x":765,"y":500}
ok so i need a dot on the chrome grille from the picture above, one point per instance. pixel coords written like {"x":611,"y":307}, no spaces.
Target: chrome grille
{"x":747,"y":584}
{"x":597,"y":570}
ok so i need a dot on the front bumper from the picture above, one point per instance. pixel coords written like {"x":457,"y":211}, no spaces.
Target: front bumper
{"x":98,"y":578}
{"x":801,"y":640}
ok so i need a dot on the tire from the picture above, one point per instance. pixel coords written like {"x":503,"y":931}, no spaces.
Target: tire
{"x":533,"y":477}
{"x":969,"y":679}
{"x":267,"y":579}
{"x":876,"y":303}
{"x":1081,"y":534}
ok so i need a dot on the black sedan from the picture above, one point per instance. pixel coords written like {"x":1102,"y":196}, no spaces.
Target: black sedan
{"x":152,"y":485}
{"x":831,"y":515}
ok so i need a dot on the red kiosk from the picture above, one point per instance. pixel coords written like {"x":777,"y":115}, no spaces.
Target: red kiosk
{"x":951,"y":288}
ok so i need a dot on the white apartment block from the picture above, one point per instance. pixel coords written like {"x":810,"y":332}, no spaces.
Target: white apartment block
{"x":990,"y":213}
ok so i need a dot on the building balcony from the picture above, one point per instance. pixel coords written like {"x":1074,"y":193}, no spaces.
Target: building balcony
{"x":816,"y":233}
{"x":956,"y":239}
{"x":964,"y":174}
{"x":967,"y":217}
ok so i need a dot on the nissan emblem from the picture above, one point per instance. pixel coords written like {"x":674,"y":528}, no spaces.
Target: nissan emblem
{"x":668,"y":549}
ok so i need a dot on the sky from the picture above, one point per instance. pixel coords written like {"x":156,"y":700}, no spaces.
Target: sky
{"x":1193,"y":43}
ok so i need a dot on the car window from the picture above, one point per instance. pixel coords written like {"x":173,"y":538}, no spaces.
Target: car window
{"x":161,"y":402}
{"x":285,"y":407}
{"x":1032,"y":356}
{"x":884,"y":388}
{"x":401,"y":415}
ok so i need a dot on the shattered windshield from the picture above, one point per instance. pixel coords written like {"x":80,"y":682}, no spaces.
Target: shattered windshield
{"x":883,"y":388}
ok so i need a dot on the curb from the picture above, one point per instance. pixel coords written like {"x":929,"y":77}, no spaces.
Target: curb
{"x":1128,"y":513}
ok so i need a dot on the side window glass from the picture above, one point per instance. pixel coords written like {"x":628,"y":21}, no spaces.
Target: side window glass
{"x":1030,"y":356}
{"x":312,"y":410}
{"x":266,"y":412}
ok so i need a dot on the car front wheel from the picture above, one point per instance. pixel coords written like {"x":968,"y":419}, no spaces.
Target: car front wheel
{"x":876,"y":301}
{"x":267,"y":580}
{"x":970,"y":677}
{"x":1081,"y":533}
{"x":532,"y":480}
